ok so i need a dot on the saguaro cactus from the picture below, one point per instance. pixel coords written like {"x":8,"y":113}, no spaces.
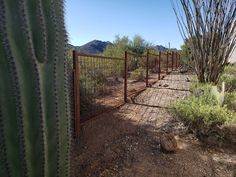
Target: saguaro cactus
{"x":34,"y":101}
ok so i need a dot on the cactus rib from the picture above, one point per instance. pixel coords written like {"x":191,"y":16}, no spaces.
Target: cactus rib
{"x":35,"y":119}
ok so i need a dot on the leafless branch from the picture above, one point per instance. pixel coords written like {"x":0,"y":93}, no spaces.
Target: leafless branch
{"x":210,"y":27}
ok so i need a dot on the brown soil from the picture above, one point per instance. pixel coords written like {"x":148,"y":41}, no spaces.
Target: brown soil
{"x":125,"y":142}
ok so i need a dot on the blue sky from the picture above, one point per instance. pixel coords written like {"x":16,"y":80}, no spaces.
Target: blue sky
{"x":154,"y":20}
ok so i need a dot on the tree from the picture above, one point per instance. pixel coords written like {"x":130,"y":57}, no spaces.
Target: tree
{"x":186,"y":55}
{"x":119,"y":46}
{"x":210,"y":24}
{"x":35,"y":115}
{"x":138,"y":45}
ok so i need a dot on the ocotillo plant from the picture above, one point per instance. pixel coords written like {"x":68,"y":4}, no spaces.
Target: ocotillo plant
{"x":34,"y":102}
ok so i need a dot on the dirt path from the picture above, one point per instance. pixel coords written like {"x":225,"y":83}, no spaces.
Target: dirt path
{"x":125,"y":142}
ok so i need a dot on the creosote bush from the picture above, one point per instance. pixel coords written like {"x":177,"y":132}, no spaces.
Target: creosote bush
{"x":203,"y":109}
{"x":138,"y":74}
{"x":230,"y":101}
{"x":198,"y":113}
{"x":229,"y":77}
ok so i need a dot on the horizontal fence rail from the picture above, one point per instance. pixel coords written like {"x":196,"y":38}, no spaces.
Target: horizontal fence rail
{"x":103,"y":83}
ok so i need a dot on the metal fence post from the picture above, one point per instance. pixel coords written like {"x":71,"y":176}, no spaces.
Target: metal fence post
{"x":159,"y":66}
{"x":167,"y":62}
{"x":155,"y":63}
{"x":125,"y":77}
{"x":172,"y":60}
{"x":147,"y":68}
{"x":76,"y":83}
{"x":176,"y":58}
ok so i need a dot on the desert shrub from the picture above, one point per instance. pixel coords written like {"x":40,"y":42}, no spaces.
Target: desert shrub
{"x":203,"y":108}
{"x":229,"y":77}
{"x":209,"y":92}
{"x":138,"y":74}
{"x":230,"y":101}
{"x":199,"y":112}
{"x":198,"y":88}
{"x":230,"y":69}
{"x":133,"y":64}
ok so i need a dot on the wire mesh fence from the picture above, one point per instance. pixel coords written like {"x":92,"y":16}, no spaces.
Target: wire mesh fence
{"x":135,"y":74}
{"x":154,"y":68}
{"x":103,"y":83}
{"x":163,"y":63}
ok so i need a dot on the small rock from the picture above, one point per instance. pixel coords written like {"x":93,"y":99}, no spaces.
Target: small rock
{"x":182,"y":71}
{"x":187,"y":80}
{"x":168,"y":143}
{"x":165,"y":85}
{"x":133,"y":90}
{"x":129,"y":100}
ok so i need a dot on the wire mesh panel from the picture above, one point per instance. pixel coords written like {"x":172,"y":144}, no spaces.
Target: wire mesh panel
{"x":175,"y":59}
{"x":171,"y":65}
{"x":169,"y":62}
{"x":136,"y":73}
{"x":153,"y":68}
{"x":101,"y":84}
{"x":163,"y":62}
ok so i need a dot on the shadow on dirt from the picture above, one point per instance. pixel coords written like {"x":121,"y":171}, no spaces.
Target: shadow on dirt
{"x":123,"y":143}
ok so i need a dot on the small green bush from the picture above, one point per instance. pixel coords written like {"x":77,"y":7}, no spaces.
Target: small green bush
{"x":204,"y":93}
{"x":200,"y":112}
{"x":230,"y":69}
{"x":203,"y":108}
{"x":199,"y":89}
{"x":138,"y":74}
{"x":229,"y":77}
{"x":230,"y":101}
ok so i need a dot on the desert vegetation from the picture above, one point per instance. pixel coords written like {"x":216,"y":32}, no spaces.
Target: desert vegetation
{"x":209,"y":32}
{"x":36,"y":91}
{"x":102,"y":76}
{"x":209,"y":29}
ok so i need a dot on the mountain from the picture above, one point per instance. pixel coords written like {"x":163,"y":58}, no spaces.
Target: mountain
{"x":71,"y":47}
{"x":93,"y":47}
{"x":161,"y":48}
{"x":98,"y":47}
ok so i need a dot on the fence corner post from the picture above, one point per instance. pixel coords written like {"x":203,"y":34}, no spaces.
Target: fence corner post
{"x":76,"y":93}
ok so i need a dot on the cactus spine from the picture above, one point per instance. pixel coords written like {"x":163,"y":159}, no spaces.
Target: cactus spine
{"x":34,"y":101}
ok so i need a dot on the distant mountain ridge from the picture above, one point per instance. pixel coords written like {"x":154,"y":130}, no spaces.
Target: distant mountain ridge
{"x":98,"y":47}
{"x":161,"y":48}
{"x":92,"y":47}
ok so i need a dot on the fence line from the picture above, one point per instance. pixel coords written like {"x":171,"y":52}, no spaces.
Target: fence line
{"x":103,"y":83}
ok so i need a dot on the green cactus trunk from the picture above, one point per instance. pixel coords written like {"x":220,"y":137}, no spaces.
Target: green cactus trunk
{"x":35,"y":136}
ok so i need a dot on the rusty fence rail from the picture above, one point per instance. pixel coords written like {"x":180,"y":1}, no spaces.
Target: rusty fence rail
{"x":103,"y":83}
